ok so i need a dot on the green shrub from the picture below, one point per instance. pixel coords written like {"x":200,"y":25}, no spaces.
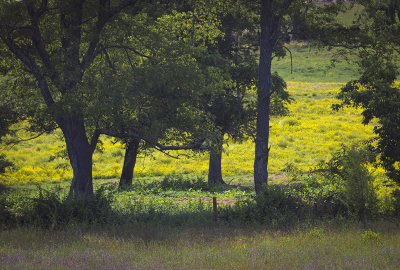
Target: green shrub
{"x":274,"y":206}
{"x":350,"y":166}
{"x":324,"y":198}
{"x":396,"y":203}
{"x":371,"y":237}
{"x":4,"y":163}
{"x":7,"y":218}
{"x":316,"y":234}
{"x":277,"y":205}
{"x":49,"y":210}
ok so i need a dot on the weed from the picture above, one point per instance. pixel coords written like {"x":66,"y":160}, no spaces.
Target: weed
{"x":316,"y":233}
{"x":371,"y":237}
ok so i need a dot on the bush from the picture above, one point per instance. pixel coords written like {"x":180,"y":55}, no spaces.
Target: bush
{"x":7,"y":219}
{"x":277,"y":205}
{"x":370,"y":237}
{"x":396,"y":203}
{"x":4,"y":163}
{"x":49,"y":210}
{"x":324,"y":198}
{"x":350,"y":166}
{"x":274,"y":206}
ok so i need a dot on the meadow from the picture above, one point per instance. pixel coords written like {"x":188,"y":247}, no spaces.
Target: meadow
{"x":165,"y":220}
{"x":159,"y":247}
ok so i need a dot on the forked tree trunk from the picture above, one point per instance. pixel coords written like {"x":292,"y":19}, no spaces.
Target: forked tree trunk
{"x":128,"y":168}
{"x":267,"y":42}
{"x":80,"y":155}
{"x":214,"y":168}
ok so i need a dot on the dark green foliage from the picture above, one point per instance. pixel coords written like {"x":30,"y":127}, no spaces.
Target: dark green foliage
{"x":324,"y":198}
{"x":396,"y":204}
{"x":7,"y":218}
{"x":234,"y":56}
{"x":350,"y":167}
{"x":169,"y":183}
{"x":93,"y":68}
{"x":50,"y":210}
{"x":274,"y":206}
{"x":277,"y":205}
{"x":379,"y":100}
{"x":7,"y":117}
{"x":280,"y":97}
{"x":177,"y":182}
{"x":4,"y":163}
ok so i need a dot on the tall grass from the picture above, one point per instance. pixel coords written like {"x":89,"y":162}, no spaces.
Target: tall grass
{"x":156,"y":247}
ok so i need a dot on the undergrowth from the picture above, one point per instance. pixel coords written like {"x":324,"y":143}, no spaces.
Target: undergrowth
{"x":179,"y":201}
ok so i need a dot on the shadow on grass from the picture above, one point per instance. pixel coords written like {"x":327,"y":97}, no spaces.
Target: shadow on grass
{"x":176,"y":183}
{"x":3,"y":188}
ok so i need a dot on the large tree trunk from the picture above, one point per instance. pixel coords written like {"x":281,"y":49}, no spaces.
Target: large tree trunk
{"x":80,"y":154}
{"x":128,"y":168}
{"x":214,"y":168}
{"x":267,"y":41}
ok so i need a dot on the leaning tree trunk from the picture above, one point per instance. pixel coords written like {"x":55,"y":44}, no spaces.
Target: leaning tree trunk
{"x":80,"y":154}
{"x":131,"y":153}
{"x":214,"y":168}
{"x":268,"y":35}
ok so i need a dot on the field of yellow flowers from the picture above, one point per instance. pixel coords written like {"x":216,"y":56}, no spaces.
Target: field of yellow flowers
{"x":309,"y":134}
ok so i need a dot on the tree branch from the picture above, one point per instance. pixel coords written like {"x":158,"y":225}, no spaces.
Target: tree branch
{"x":285,"y":5}
{"x":102,"y":18}
{"x":37,"y":39}
{"x":109,"y":61}
{"x":42,"y":8}
{"x":33,"y":67}
{"x":291,"y":59}
{"x":201,"y":144}
{"x":18,"y":140}
{"x":16,"y":26}
{"x":103,"y":48}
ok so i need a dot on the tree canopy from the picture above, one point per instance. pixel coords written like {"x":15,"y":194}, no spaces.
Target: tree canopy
{"x":66,"y":53}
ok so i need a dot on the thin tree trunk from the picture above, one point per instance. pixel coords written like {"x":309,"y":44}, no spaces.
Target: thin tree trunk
{"x":214,"y":168}
{"x":263,"y":96}
{"x":128,"y":168}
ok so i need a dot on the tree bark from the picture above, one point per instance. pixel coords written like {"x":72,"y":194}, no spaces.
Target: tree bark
{"x":267,"y":42}
{"x":128,"y":168}
{"x":80,"y":153}
{"x":214,"y":168}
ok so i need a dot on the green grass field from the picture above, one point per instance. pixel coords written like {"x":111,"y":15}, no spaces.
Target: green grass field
{"x":313,"y":65}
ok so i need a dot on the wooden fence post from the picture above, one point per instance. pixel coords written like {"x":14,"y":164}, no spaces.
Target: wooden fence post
{"x":215,"y":208}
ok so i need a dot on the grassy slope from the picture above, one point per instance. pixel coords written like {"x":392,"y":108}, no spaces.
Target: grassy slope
{"x":312,"y":65}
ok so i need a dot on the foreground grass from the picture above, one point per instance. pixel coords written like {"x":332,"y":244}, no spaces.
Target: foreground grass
{"x":155,"y":247}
